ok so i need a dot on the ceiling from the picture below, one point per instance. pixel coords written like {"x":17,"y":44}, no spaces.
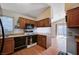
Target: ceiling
{"x":28,"y":9}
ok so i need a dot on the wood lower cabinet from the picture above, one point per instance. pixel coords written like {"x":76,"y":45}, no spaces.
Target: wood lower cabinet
{"x":41,"y":40}
{"x":73,"y":18}
{"x":8,"y":46}
{"x":77,"y":48}
{"x":77,"y":44}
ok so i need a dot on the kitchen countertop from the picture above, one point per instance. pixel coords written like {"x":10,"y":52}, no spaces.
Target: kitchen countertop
{"x":17,"y":35}
{"x":21,"y":34}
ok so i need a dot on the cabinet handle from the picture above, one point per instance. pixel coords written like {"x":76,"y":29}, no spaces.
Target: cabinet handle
{"x":66,"y":18}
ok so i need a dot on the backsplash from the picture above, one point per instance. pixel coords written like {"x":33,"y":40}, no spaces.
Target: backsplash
{"x":45,"y":30}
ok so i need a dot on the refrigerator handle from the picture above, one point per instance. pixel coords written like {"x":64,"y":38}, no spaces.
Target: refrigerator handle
{"x":2,"y":45}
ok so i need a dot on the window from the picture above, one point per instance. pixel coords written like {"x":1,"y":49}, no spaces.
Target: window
{"x":7,"y":23}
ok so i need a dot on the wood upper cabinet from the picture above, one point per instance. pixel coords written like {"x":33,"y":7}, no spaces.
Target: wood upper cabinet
{"x":73,"y":17}
{"x":44,"y":23}
{"x":8,"y":46}
{"x":41,"y":23}
{"x":41,"y":40}
{"x":23,"y":21}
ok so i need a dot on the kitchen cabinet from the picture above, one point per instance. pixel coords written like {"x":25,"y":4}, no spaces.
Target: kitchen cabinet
{"x":41,"y":40}
{"x":77,"y":48}
{"x":8,"y":46}
{"x":73,"y":18}
{"x":41,"y":23}
{"x":44,"y":22}
{"x":77,"y":44}
{"x":29,"y":21}
{"x":23,"y":21}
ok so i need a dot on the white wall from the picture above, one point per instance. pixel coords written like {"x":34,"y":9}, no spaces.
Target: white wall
{"x":57,"y":16}
{"x":59,"y":40}
{"x":14,"y":15}
{"x":45,"y":14}
{"x":57,"y":11}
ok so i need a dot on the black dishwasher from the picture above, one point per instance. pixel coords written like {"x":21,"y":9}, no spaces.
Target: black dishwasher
{"x":20,"y":42}
{"x":31,"y":39}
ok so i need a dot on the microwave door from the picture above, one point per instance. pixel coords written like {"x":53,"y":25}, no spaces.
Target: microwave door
{"x":1,"y":39}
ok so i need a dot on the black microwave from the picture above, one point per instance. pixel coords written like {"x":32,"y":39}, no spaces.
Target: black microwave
{"x":29,"y":26}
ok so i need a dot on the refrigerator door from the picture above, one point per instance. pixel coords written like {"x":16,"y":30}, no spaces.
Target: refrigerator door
{"x":1,"y":33}
{"x":1,"y":39}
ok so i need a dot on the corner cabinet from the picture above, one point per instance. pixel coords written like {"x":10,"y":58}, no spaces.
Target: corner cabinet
{"x":23,"y":21}
{"x":73,"y":18}
{"x":44,"y":22}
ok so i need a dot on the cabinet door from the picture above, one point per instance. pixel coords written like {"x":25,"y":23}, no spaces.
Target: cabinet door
{"x":8,"y":46}
{"x":41,"y":40}
{"x":44,"y":23}
{"x":22,"y":22}
{"x":77,"y":48}
{"x":38,"y":40}
{"x":36,"y":23}
{"x":73,"y":17}
{"x":47,"y":22}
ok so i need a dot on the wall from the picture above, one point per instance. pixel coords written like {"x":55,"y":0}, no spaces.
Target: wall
{"x":0,"y":11}
{"x":57,"y":11}
{"x":57,"y":17}
{"x":45,"y":14}
{"x":15,"y":15}
{"x":60,"y":42}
